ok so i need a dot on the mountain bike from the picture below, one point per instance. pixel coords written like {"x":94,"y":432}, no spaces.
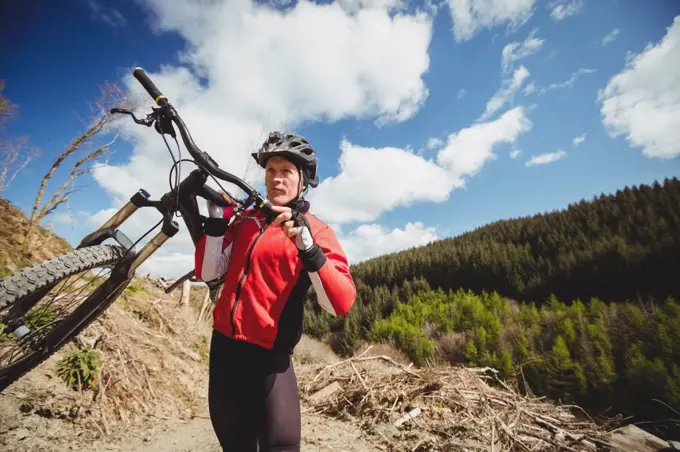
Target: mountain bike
{"x":40,"y":331}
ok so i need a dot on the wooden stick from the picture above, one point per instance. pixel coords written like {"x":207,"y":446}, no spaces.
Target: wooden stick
{"x":388,"y":359}
{"x":172,"y":330}
{"x":363,"y":383}
{"x":148,"y":384}
{"x":204,"y":306}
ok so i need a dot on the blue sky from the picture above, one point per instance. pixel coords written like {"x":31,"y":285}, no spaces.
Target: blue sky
{"x":432,"y":69}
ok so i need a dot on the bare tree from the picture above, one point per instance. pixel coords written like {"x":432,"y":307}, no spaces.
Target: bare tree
{"x":88,"y":144}
{"x":14,"y":153}
{"x":7,"y":108}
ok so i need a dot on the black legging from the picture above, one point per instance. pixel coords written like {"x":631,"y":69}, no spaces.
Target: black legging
{"x":253,"y":397}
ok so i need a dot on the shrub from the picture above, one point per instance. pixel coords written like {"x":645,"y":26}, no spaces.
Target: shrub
{"x":79,"y":369}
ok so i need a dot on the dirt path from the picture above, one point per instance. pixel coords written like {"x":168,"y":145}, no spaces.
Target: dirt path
{"x":319,"y":434}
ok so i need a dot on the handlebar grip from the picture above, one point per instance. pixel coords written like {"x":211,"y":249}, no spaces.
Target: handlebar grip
{"x":266,"y":206}
{"x":212,"y":196}
{"x":149,"y":86}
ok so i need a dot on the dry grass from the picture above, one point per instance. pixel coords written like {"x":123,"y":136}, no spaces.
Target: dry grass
{"x":451,"y":346}
{"x":13,"y":226}
{"x":152,"y":366}
{"x":381,"y":348}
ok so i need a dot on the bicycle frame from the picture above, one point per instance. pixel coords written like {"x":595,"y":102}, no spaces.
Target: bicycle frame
{"x":181,"y":198}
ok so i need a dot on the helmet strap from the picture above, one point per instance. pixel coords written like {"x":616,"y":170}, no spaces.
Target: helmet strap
{"x":300,"y":195}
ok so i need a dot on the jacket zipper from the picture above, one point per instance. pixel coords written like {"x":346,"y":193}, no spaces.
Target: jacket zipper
{"x":240,"y":281}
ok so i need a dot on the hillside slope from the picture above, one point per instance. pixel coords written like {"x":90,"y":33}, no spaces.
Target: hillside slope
{"x":12,"y":229}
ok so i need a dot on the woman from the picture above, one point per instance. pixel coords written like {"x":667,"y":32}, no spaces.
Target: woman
{"x":270,"y":262}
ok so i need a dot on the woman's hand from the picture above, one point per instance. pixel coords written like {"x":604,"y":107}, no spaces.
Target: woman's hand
{"x":226,"y":197}
{"x":301,"y":234}
{"x":215,"y":211}
{"x":285,"y":219}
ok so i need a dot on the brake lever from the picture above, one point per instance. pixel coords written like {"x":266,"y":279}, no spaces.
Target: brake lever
{"x":148,"y":121}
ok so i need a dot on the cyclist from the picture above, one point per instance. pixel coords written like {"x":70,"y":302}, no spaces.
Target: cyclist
{"x":270,"y":263}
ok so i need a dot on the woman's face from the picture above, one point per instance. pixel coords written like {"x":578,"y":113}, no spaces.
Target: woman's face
{"x":282,"y":180}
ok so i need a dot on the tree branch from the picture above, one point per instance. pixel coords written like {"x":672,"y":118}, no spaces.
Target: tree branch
{"x":111,"y":96}
{"x":75,"y":173}
{"x":11,"y":152}
{"x":58,"y":202}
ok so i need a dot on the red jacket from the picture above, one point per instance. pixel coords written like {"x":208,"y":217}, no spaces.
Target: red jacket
{"x":267,"y":278}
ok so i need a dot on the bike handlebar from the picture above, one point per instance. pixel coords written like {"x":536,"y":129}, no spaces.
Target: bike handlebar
{"x":202,"y":158}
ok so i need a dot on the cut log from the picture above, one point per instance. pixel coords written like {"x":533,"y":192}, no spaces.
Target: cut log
{"x":631,"y":438}
{"x":407,"y":417}
{"x":325,"y":392}
{"x":186,"y":291}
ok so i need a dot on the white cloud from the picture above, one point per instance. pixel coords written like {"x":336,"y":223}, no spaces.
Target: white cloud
{"x":516,"y":51}
{"x":363,"y":64}
{"x":506,"y":93}
{"x":250,"y":68}
{"x":372,"y":181}
{"x":471,"y":16}
{"x":354,"y":6}
{"x":515,"y":154}
{"x":62,"y":218}
{"x":468,"y":150}
{"x":371,"y":240}
{"x":578,"y":140}
{"x":461,"y":93}
{"x":169,"y":264}
{"x":610,"y":37}
{"x":568,"y":83}
{"x":565,"y":8}
{"x":434,"y":143}
{"x":106,"y":14}
{"x":548,"y":157}
{"x":642,"y":102}
{"x":529,"y":89}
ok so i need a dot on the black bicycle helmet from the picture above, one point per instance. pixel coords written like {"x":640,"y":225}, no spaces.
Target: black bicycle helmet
{"x":293,"y":147}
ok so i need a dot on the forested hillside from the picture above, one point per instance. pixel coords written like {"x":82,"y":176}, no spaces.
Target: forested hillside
{"x":616,"y":247}
{"x":579,"y":305}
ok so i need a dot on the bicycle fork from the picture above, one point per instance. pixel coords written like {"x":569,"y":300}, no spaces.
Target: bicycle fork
{"x":110,"y":230}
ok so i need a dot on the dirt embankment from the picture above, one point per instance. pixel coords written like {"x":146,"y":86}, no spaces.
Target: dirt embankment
{"x":13,"y":227}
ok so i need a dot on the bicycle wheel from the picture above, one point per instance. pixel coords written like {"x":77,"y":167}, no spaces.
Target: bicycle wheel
{"x":38,"y":317}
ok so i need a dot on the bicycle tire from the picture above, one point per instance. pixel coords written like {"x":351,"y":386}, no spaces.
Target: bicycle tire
{"x":29,"y":280}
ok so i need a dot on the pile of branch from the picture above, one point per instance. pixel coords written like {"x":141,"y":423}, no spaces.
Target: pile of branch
{"x":444,"y":409}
